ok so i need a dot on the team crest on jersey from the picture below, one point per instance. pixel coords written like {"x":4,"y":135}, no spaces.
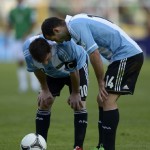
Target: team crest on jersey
{"x":71,"y":65}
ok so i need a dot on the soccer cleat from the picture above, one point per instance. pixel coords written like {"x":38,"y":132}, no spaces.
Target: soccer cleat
{"x":78,"y":148}
{"x":101,"y":148}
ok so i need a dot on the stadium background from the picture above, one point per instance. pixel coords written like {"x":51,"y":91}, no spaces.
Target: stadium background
{"x":17,"y":111}
{"x":131,"y":15}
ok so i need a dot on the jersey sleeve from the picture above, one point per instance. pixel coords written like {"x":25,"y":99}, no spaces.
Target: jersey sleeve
{"x":30,"y":65}
{"x":28,"y":58}
{"x":83,"y":36}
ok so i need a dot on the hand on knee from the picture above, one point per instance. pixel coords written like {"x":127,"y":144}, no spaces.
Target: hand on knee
{"x":45,"y":104}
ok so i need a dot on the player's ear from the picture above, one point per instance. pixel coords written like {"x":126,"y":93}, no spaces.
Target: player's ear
{"x":56,"y":30}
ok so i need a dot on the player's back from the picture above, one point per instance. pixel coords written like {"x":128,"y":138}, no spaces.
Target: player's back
{"x":112,"y":41}
{"x":66,"y":57}
{"x":68,"y":51}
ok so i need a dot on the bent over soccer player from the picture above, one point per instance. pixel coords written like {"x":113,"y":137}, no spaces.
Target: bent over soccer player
{"x":56,"y":65}
{"x":100,"y":36}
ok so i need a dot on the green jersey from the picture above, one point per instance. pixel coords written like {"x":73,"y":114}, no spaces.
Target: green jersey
{"x":21,"y":18}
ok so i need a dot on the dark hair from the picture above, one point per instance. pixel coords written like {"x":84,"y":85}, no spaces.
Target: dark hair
{"x":39,"y":48}
{"x":49,"y":24}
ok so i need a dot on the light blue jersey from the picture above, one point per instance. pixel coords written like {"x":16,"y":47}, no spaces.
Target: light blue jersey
{"x":97,"y":33}
{"x":62,"y":57}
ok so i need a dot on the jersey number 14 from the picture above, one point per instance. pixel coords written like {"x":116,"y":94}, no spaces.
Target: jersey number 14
{"x":109,"y":81}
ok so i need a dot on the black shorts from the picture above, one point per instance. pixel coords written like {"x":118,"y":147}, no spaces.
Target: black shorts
{"x":121,"y":75}
{"x":56,"y":84}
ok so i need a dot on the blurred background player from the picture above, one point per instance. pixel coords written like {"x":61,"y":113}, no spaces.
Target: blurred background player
{"x":21,"y":19}
{"x":57,"y":65}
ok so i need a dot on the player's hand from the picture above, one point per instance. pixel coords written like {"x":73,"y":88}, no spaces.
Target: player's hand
{"x":75,"y":102}
{"x":102,"y":95}
{"x":45,"y":99}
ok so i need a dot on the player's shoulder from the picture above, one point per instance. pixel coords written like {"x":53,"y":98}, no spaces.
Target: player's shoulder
{"x":29,"y":40}
{"x":73,"y":19}
{"x":84,"y":18}
{"x":78,"y":22}
{"x":64,"y":49}
{"x":61,"y":49}
{"x":69,"y":47}
{"x":81,"y":15}
{"x":66,"y":45}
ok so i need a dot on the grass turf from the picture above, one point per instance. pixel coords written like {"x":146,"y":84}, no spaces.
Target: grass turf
{"x":17,"y":115}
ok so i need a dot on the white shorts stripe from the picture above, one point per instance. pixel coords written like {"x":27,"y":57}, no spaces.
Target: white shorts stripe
{"x":120,"y":74}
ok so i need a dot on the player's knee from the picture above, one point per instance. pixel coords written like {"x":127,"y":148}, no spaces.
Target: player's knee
{"x":45,"y":106}
{"x":84,"y":104}
{"x":111,"y":102}
{"x":100,"y":104}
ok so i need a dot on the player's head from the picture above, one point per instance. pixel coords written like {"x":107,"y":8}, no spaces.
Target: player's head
{"x":40,"y":50}
{"x":55,"y":29}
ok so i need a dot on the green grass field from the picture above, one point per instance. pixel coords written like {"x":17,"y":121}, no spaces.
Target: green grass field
{"x":17,"y":115}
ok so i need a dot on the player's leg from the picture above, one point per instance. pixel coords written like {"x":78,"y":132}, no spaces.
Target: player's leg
{"x":100,"y":129}
{"x":110,"y":121}
{"x":43,"y":115}
{"x":120,"y":79}
{"x":80,"y":125}
{"x":106,"y":109}
{"x":22,"y":76}
{"x":81,"y":117}
{"x":34,"y":82}
{"x":42,"y":121}
{"x":21,"y":70}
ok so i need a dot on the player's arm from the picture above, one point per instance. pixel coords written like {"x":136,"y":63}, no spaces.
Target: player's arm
{"x":70,"y":59}
{"x":45,"y":97}
{"x":86,"y":40}
{"x":75,"y":98}
{"x":99,"y":72}
{"x":42,"y":79}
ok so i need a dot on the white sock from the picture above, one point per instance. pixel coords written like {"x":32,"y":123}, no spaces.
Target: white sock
{"x":22,"y":78}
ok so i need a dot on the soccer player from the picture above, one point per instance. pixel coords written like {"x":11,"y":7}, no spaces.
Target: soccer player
{"x":56,"y":65}
{"x":22,"y":19}
{"x":100,"y":36}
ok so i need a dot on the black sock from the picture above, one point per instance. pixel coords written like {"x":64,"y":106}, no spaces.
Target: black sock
{"x":42,"y":122}
{"x":80,"y":125}
{"x":110,"y":123}
{"x":100,"y":129}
